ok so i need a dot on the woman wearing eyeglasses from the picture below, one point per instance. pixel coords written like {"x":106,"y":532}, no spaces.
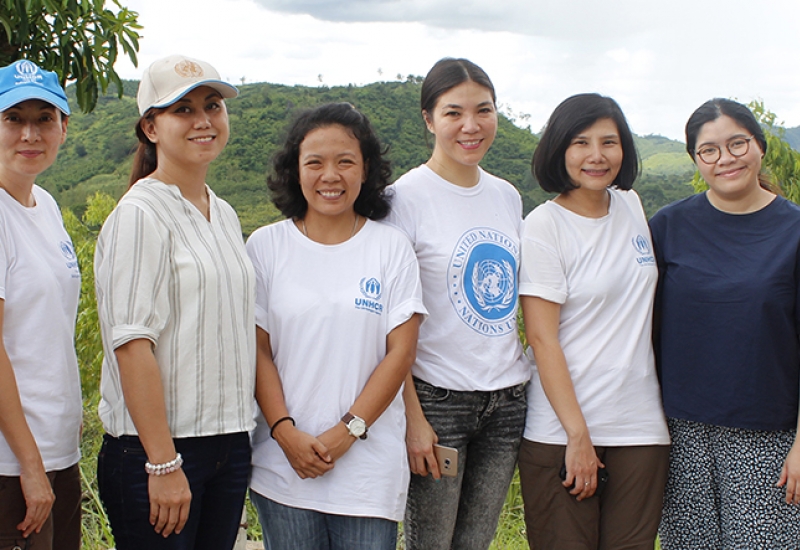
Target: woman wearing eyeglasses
{"x":727,"y":322}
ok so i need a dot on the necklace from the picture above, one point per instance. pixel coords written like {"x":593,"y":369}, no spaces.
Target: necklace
{"x":355,"y":226}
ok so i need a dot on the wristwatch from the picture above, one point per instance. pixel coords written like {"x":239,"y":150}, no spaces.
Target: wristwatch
{"x":355,"y":425}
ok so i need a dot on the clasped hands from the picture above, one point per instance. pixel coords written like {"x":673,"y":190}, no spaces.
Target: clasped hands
{"x":313,"y":456}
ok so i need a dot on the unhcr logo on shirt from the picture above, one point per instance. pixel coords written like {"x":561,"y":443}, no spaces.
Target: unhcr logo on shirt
{"x":482,"y":281}
{"x":642,"y":246}
{"x":371,"y":289}
{"x":69,"y":254}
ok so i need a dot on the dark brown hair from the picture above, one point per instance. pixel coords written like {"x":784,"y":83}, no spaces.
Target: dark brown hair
{"x":284,"y":182}
{"x":574,"y":115}
{"x":448,"y":73}
{"x":145,"y":161}
{"x":710,"y":111}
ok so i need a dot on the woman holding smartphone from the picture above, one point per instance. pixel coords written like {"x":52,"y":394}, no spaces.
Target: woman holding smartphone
{"x":468,"y":385}
{"x":594,"y":459}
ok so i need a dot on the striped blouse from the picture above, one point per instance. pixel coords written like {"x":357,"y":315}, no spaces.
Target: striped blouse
{"x":165,"y":273}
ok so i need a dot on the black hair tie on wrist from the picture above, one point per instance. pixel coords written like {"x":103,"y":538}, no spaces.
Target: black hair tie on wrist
{"x":272,"y":429}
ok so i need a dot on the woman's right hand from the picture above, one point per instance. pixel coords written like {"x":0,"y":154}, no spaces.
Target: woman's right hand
{"x":39,"y":500}
{"x":582,"y":464}
{"x":306,"y":454}
{"x":170,"y":499}
{"x":420,"y":439}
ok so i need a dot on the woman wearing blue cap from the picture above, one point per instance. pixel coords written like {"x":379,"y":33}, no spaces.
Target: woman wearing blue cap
{"x":175,"y":297}
{"x":40,"y":394}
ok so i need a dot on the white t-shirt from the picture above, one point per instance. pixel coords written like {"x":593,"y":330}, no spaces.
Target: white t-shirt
{"x":166,"y":273}
{"x":603,"y":273}
{"x":41,"y":284}
{"x":467,"y":244}
{"x":328,"y":310}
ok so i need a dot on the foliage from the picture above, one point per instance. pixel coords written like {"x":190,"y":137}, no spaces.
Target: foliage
{"x":98,"y":152}
{"x":78,"y":39}
{"x":95,"y":529}
{"x":87,"y":332}
{"x":83,"y":232}
{"x":781,"y":163}
{"x":792,"y":136}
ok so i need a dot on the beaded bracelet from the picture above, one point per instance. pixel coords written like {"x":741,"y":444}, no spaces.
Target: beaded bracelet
{"x":166,"y":468}
{"x":272,"y":429}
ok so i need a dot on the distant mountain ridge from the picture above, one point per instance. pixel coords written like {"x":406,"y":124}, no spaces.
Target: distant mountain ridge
{"x":792,"y":137}
{"x":98,"y":151}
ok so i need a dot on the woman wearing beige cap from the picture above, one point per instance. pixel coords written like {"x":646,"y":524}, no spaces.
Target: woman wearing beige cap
{"x":175,"y":294}
{"x":40,"y":391}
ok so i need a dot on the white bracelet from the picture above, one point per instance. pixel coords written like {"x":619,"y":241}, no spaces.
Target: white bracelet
{"x":166,"y":468}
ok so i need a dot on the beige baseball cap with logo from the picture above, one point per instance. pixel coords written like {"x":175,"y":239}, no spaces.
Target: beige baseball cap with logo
{"x":167,"y":80}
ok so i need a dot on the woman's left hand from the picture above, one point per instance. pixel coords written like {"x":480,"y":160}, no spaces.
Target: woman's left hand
{"x":338,"y":440}
{"x":790,"y":475}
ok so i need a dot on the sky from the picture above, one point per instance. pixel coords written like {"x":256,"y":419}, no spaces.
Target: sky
{"x":659,"y":59}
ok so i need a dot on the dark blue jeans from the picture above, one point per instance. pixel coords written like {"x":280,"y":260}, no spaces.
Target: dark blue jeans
{"x":217,"y":467}
{"x":486,"y":427}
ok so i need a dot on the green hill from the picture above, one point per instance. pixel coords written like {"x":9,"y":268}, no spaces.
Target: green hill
{"x":792,"y":136}
{"x":98,"y":151}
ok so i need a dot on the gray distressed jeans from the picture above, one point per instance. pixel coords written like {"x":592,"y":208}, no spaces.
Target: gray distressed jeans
{"x":486,"y":427}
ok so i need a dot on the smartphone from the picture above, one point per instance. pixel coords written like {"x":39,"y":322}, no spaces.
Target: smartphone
{"x":447,"y":457}
{"x":602,"y":479}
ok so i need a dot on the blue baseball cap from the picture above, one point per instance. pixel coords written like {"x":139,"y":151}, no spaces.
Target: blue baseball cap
{"x":24,"y":80}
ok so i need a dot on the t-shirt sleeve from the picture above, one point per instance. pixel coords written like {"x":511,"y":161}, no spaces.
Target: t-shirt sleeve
{"x":542,"y":273}
{"x":406,"y":293}
{"x":133,"y":273}
{"x":797,"y":295}
{"x":4,"y":258}
{"x":401,"y":213}
{"x":258,"y":250}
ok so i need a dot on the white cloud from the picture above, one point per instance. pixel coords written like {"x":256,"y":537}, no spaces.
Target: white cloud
{"x":658,"y":60}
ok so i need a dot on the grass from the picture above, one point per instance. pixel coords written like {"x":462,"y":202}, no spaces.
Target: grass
{"x":510,"y":533}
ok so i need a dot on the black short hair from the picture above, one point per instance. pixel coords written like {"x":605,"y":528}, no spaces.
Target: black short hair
{"x":574,"y":115}
{"x":284,"y":183}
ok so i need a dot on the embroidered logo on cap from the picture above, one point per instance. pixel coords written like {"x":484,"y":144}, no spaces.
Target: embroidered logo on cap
{"x":189,"y":69}
{"x":27,"y":73}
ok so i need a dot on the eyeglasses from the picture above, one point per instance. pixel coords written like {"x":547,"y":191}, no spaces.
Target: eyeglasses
{"x":737,"y":147}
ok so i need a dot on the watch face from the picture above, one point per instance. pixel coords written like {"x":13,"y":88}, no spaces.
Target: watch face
{"x":357,"y":427}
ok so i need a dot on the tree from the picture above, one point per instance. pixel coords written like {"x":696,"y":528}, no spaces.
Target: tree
{"x":83,"y":232}
{"x":781,"y":163}
{"x":78,"y":39}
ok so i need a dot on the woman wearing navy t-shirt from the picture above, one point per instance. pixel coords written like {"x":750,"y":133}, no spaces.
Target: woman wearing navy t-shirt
{"x":727,"y":318}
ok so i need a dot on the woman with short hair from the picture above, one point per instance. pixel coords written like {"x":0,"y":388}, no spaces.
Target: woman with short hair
{"x":593,"y":461}
{"x":337,"y":309}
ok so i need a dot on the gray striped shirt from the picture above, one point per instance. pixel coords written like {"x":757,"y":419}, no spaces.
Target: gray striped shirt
{"x":165,"y":273}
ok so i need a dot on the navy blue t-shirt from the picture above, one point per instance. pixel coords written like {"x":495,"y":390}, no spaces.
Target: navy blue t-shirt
{"x":727,"y":313}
